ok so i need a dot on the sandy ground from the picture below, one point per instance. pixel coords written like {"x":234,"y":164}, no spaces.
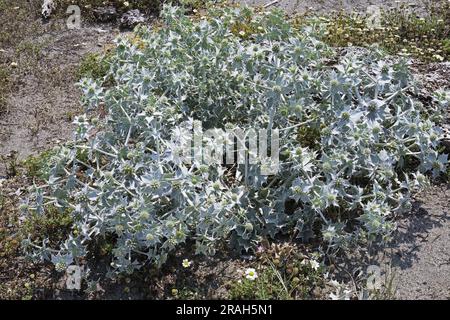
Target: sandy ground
{"x":45,"y":99}
{"x":420,"y":254}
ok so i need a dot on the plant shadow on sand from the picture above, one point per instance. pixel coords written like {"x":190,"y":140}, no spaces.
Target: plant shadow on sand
{"x":414,"y":230}
{"x":419,"y":253}
{"x":415,"y":264}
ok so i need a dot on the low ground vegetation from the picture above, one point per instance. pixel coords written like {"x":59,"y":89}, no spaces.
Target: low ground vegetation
{"x":399,"y":30}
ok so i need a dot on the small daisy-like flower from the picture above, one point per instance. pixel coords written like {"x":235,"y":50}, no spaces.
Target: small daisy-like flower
{"x":314,"y":264}
{"x":186,"y":263}
{"x":242,"y":33}
{"x":251,"y":274}
{"x":438,"y":57}
{"x":126,"y":3}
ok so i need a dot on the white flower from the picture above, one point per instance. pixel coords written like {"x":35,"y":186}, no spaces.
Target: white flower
{"x":242,"y":33}
{"x":186,"y":263}
{"x":251,"y":274}
{"x":314,"y":264}
{"x":126,"y":3}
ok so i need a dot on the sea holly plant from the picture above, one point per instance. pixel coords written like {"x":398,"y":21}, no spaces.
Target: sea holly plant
{"x":354,"y":143}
